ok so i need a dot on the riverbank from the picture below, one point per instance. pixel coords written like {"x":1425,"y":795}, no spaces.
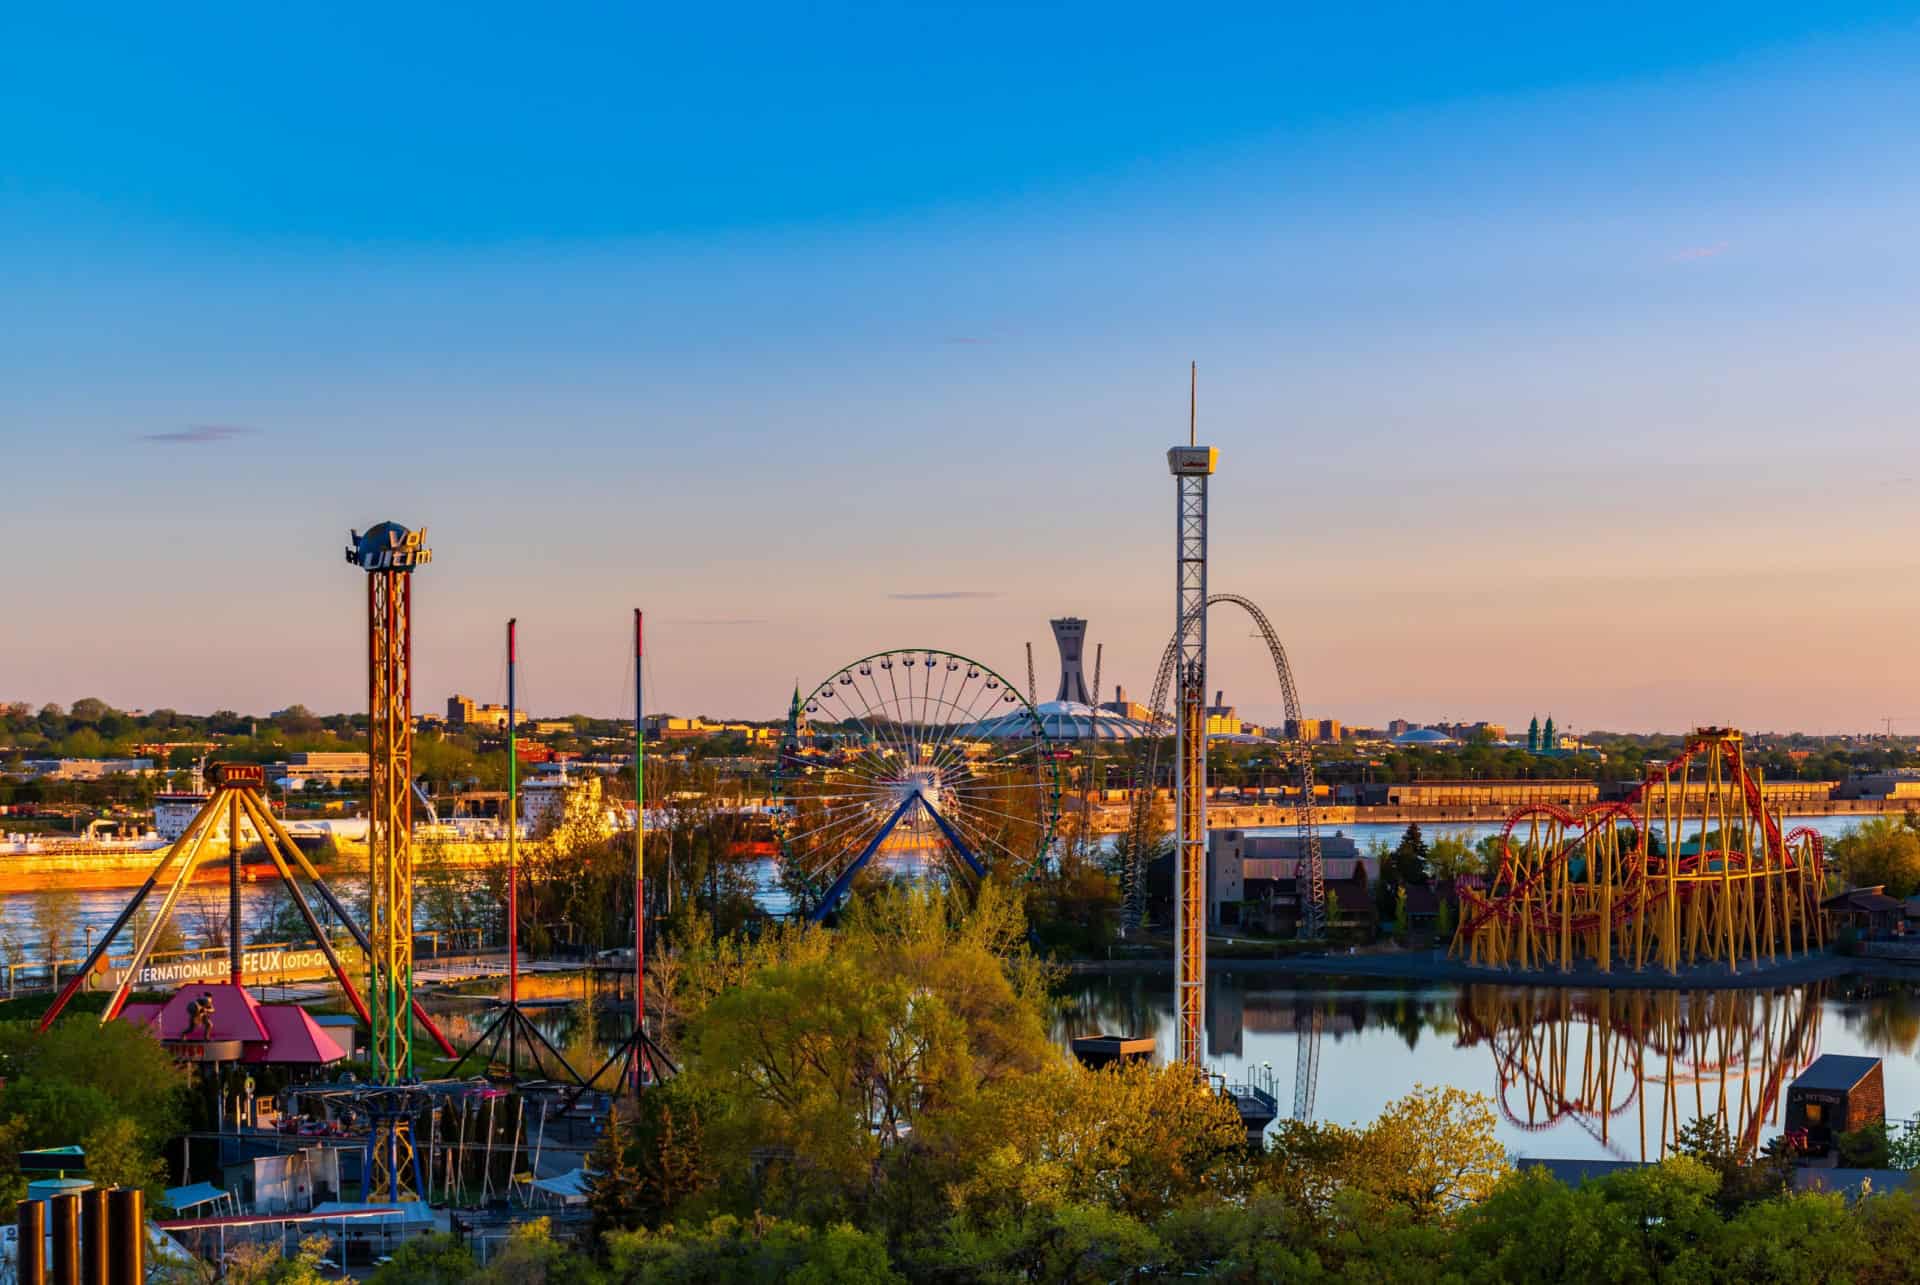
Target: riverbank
{"x":1434,"y":966}
{"x":1113,"y":818}
{"x":108,"y":869}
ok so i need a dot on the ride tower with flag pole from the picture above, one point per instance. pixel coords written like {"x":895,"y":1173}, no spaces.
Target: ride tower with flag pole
{"x":1191,"y":466}
{"x":512,"y":1026}
{"x":641,"y":1061}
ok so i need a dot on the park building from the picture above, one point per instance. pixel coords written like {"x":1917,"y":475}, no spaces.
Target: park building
{"x":1903,"y":783}
{"x":331,"y":768}
{"x":672,"y":727}
{"x":1477,"y":793}
{"x":1784,"y":793}
{"x":1261,"y":880}
{"x":88,"y":769}
{"x":464,"y":711}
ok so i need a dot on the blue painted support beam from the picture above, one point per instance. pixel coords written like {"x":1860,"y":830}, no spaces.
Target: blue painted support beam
{"x":845,"y":881}
{"x":953,"y":837}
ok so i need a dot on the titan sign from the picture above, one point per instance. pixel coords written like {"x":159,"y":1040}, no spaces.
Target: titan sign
{"x":255,"y":966}
{"x":389,"y":547}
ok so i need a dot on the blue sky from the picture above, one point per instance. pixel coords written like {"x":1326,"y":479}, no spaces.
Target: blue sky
{"x":1557,"y":360}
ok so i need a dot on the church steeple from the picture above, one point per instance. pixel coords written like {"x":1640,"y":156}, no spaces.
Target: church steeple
{"x":1533,"y":735}
{"x":796,"y":720}
{"x":1548,"y":743}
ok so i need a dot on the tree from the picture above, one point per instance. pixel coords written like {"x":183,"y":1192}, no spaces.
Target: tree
{"x":80,"y":1075}
{"x":754,"y":1249}
{"x":266,"y":1265}
{"x":1432,"y":1152}
{"x":1741,"y":1182}
{"x":1410,"y":857}
{"x":828,"y":1048}
{"x":533,"y":1257}
{"x":13,"y":1183}
{"x":436,"y":1259}
{"x":1454,"y":855}
{"x":89,"y":709}
{"x":1880,"y":850}
{"x":55,"y":914}
{"x":1812,"y":1237}
{"x":1532,"y":1228}
{"x":1074,"y":1243}
{"x":1135,"y":1138}
{"x":117,"y":1156}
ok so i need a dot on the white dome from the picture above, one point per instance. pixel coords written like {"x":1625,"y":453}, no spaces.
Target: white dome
{"x":1061,"y":721}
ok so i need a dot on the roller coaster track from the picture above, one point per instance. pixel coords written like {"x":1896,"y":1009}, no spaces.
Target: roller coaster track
{"x":1575,"y":885}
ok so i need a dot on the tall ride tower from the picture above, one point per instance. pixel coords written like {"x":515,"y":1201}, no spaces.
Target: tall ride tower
{"x":1191,"y":466}
{"x":388,"y":554}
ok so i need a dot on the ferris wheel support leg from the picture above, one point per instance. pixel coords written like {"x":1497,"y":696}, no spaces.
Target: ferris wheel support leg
{"x":953,"y":837}
{"x":839,"y":889}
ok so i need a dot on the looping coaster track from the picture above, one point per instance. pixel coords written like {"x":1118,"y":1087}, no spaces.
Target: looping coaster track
{"x":1689,"y":867}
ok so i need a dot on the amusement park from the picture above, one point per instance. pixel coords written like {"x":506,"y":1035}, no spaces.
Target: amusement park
{"x":1636,"y":978}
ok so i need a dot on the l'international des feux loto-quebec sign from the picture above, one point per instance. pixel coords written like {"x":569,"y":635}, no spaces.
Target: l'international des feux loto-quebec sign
{"x":389,"y":547}
{"x":256,"y":967}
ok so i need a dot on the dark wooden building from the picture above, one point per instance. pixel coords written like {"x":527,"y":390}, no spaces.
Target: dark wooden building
{"x":1837,"y":1094}
{"x":1870,"y":912}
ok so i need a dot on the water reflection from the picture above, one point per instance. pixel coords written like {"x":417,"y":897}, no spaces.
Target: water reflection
{"x":1575,"y":1073}
{"x":1632,"y":1068}
{"x":1589,"y":1074}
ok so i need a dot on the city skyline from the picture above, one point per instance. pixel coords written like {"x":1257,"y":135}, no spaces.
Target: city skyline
{"x":1568,"y":373}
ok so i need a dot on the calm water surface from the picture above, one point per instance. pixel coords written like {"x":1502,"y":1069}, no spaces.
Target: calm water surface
{"x":1572,"y":1073}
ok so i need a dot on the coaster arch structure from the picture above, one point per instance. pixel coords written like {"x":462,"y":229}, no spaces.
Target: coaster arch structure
{"x":1133,"y":874}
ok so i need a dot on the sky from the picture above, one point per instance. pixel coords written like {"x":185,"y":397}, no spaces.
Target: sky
{"x":1558,"y":362}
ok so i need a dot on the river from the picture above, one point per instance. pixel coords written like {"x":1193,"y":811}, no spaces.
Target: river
{"x":1572,"y":1073}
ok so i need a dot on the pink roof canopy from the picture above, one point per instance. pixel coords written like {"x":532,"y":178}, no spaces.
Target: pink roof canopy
{"x":283,"y":1033}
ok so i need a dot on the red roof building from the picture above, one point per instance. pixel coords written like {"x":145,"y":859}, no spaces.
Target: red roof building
{"x":221,"y":1022}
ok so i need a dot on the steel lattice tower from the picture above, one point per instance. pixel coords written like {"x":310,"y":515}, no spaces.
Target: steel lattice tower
{"x":1191,"y":466}
{"x":388,"y":554}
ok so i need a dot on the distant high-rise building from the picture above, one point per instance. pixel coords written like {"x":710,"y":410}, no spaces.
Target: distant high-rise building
{"x":1070,"y":632}
{"x":464,"y":711}
{"x":1325,"y":731}
{"x":1399,"y":726}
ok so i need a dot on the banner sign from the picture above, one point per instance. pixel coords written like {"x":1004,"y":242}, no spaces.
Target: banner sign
{"x":256,"y":966}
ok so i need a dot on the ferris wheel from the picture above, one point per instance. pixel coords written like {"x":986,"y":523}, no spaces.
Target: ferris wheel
{"x":920,"y":760}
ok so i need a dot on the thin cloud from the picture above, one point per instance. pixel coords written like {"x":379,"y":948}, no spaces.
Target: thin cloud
{"x":945,"y":595}
{"x":197,"y":435}
{"x":1694,"y":253}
